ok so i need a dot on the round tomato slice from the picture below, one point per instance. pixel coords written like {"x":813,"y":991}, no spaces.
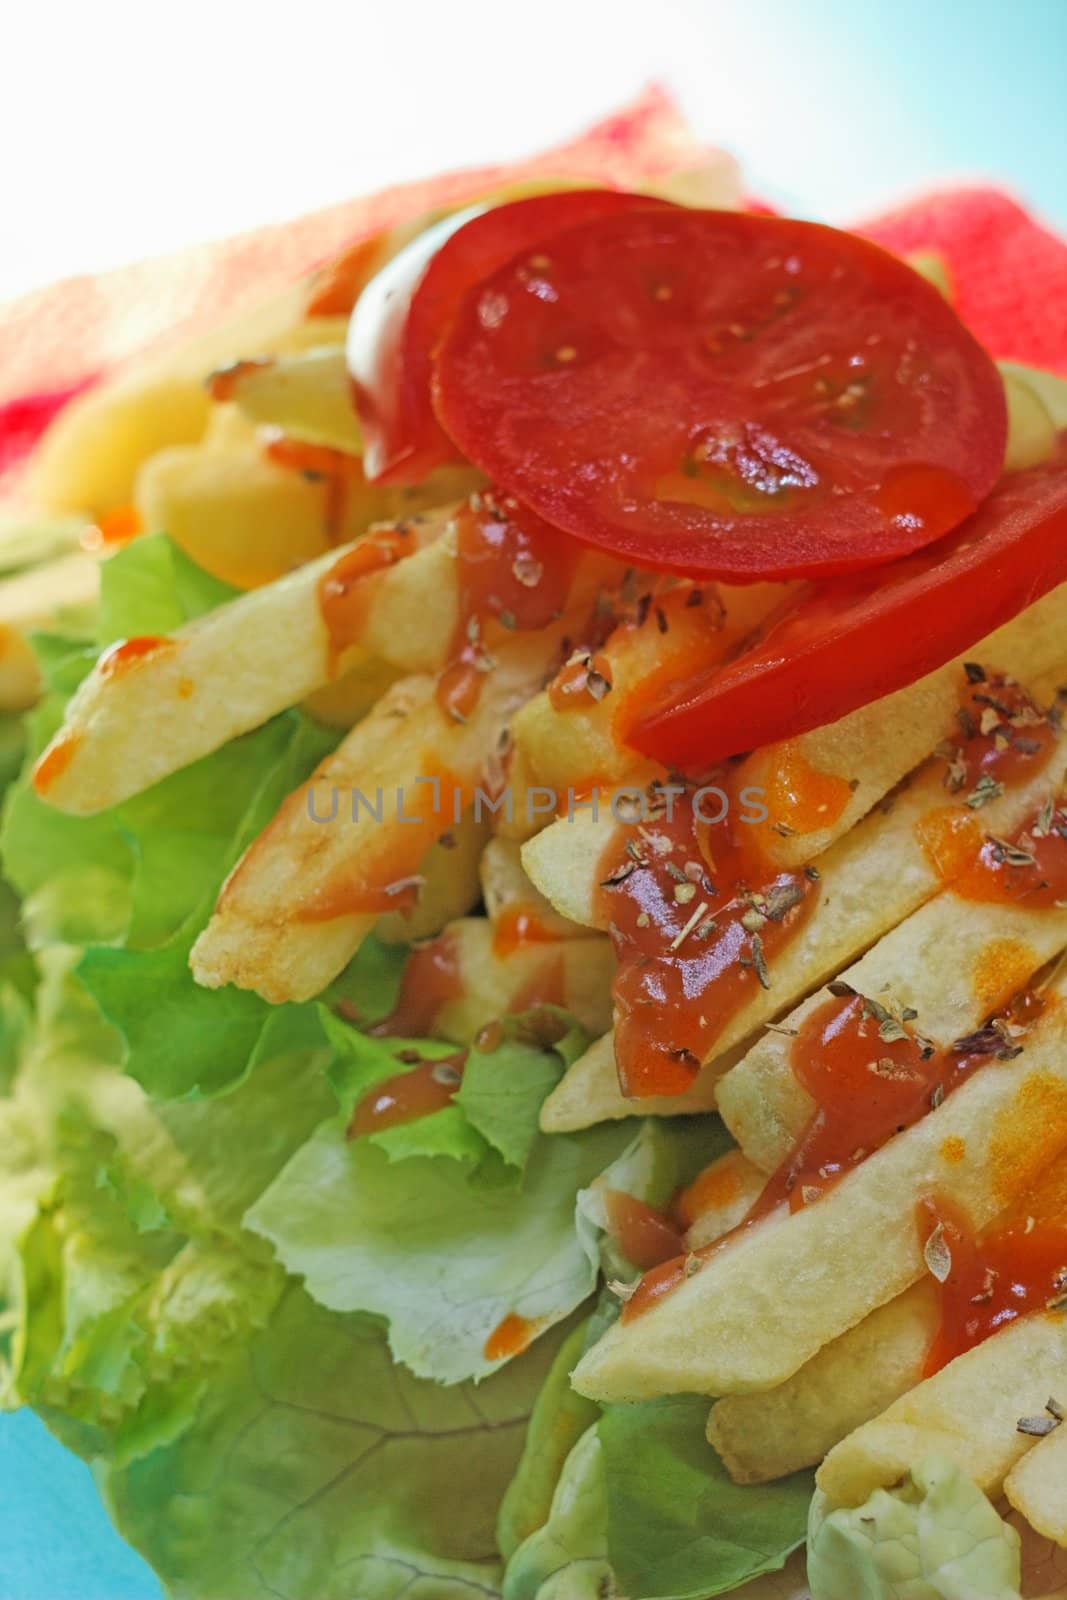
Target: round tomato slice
{"x":848,"y":642}
{"x":405,"y":310}
{"x":724,"y":395}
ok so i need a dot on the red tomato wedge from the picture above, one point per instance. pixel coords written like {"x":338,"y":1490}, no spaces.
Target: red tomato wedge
{"x":848,"y":642}
{"x":724,"y":395}
{"x":405,"y":310}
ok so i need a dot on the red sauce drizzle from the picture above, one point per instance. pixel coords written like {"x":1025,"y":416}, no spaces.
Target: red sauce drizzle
{"x":1030,"y":867}
{"x":510,"y":1338}
{"x":512,"y":569}
{"x":222,"y":385}
{"x":696,"y":918}
{"x":319,"y":463}
{"x":54,"y":762}
{"x":112,"y":529}
{"x":1015,"y":1267}
{"x":867,"y":1088}
{"x":344,"y":599}
{"x":121,"y":657}
{"x":646,"y":1237}
{"x":859,"y":1108}
{"x":517,"y":927}
{"x":423,"y":1089}
{"x":581,"y":683}
{"x":1005,"y":735}
{"x":431,"y":978}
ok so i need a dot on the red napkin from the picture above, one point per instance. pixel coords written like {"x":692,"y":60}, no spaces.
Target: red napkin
{"x":1009,"y":273}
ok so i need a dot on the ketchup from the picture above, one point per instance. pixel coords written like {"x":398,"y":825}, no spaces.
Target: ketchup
{"x":121,"y":657}
{"x":344,"y":600}
{"x":423,"y":1089}
{"x":871,"y":1077}
{"x":867,"y":1087}
{"x":319,"y":463}
{"x":512,"y":569}
{"x":431,"y":978}
{"x":986,"y":1280}
{"x":697,"y":918}
{"x":646,"y":1237}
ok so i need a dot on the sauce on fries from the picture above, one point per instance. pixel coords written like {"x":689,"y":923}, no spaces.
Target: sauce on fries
{"x":512,"y":569}
{"x":987,"y":1279}
{"x":696,"y":919}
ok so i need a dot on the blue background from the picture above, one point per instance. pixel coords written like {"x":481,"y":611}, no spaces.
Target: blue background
{"x":843,"y":105}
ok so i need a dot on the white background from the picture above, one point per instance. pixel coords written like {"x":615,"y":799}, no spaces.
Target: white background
{"x":128,"y":129}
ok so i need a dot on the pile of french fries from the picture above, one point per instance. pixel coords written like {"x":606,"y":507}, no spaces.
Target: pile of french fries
{"x":809,"y":1329}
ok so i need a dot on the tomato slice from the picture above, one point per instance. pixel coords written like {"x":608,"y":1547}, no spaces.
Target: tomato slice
{"x":403,"y":312}
{"x":724,"y":395}
{"x":848,"y":642}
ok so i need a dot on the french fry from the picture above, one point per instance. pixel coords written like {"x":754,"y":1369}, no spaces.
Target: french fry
{"x":871,"y":880}
{"x":969,"y":1411}
{"x":769,"y":1299}
{"x":851,"y":1380}
{"x":589,"y":1093}
{"x":1037,"y":1484}
{"x":249,"y":520}
{"x":270,"y":648}
{"x":953,"y":963}
{"x":114,"y":744}
{"x":573,"y":973}
{"x":283,"y":924}
{"x":874,"y":747}
{"x":584,"y":746}
{"x":307,"y":395}
{"x":450,"y":870}
{"x":89,"y":457}
{"x":343,"y":701}
{"x":517,"y":910}
{"x":238,"y":514}
{"x":39,"y":597}
{"x":719,"y":1198}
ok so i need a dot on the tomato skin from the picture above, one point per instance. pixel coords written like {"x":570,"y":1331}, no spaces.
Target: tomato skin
{"x":403,"y":314}
{"x":846,"y":643}
{"x":725,"y":395}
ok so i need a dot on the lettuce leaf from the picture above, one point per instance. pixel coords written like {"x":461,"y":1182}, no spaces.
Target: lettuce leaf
{"x":183,"y":836}
{"x":505,"y":1086}
{"x":442,"y":1255}
{"x":316,"y":1470}
{"x":152,"y":586}
{"x":361,"y":1062}
{"x":567,"y":1558}
{"x":935,"y":1537}
{"x":679,"y":1528}
{"x":497,"y":1107}
{"x":560,"y":1417}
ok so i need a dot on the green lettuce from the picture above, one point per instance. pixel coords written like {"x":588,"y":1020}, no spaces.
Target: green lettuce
{"x":497,"y":1105}
{"x":318,"y":1470}
{"x":442,"y":1255}
{"x":152,"y":586}
{"x":678,"y":1527}
{"x":567,"y":1558}
{"x":936,"y":1537}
